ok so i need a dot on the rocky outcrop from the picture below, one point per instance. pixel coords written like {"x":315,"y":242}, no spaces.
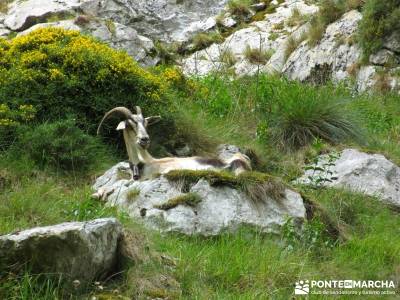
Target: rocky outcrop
{"x":269,"y":37}
{"x":130,"y":25}
{"x":116,"y":35}
{"x":81,"y":251}
{"x":371,"y":174}
{"x":160,"y":204}
{"x":331,"y":58}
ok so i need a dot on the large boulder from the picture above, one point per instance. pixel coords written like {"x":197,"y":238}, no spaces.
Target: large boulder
{"x":82,"y":251}
{"x":157,"y":204}
{"x":371,"y":174}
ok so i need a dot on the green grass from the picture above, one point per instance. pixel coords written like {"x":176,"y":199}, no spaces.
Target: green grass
{"x":256,"y":113}
{"x":380,"y":20}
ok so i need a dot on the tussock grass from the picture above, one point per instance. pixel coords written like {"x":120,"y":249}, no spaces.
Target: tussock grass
{"x":203,"y":40}
{"x":257,"y":56}
{"x":228,"y":57}
{"x":239,"y":8}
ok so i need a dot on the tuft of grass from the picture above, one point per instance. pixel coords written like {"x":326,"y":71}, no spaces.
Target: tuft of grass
{"x":257,"y":56}
{"x":273,"y":36}
{"x":203,"y":40}
{"x":189,"y":199}
{"x":132,"y":194}
{"x":329,"y":12}
{"x":228,"y":57}
{"x":296,"y":18}
{"x":258,"y":186}
{"x":167,"y":53}
{"x":307,"y":113}
{"x":292,"y":43}
{"x":380,"y":20}
{"x":111,"y":26}
{"x":4,"y":6}
{"x":239,"y":8}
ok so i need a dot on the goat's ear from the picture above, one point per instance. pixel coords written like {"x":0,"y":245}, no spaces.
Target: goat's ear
{"x":121,"y":125}
{"x":152,"y":120}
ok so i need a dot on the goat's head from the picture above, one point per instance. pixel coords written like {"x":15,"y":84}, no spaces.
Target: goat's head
{"x":136,"y":123}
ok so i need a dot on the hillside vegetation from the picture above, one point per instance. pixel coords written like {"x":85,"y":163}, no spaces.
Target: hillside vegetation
{"x":56,"y":85}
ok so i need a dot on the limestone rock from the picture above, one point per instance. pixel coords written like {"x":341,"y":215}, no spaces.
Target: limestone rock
{"x":221,"y":208}
{"x":330,"y":58}
{"x":269,"y":35}
{"x":371,"y":174}
{"x":24,"y":14}
{"x":382,"y":57}
{"x":116,"y":35}
{"x":80,"y":250}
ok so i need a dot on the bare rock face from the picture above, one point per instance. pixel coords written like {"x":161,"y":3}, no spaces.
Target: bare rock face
{"x":131,"y":25}
{"x":24,"y":14}
{"x":220,"y":208}
{"x":80,"y":250}
{"x":331,"y":57}
{"x":371,"y":174}
{"x":268,"y":36}
{"x":116,"y":35}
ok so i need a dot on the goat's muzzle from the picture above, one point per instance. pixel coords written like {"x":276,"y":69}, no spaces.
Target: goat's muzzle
{"x":144,"y":142}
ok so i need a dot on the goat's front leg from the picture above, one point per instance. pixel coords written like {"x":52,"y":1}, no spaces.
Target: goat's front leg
{"x":135,"y":171}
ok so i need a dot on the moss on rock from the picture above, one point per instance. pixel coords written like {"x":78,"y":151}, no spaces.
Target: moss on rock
{"x":190,"y":199}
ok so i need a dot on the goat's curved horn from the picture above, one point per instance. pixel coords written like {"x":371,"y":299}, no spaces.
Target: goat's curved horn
{"x":120,"y":109}
{"x":138,"y":110}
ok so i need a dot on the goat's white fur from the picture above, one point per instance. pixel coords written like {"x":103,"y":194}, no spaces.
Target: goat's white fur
{"x":152,"y":166}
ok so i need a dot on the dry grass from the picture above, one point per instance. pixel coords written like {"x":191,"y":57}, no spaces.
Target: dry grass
{"x":228,"y":57}
{"x":4,"y":5}
{"x":257,"y":56}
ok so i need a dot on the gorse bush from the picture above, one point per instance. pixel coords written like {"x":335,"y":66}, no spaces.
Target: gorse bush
{"x":60,"y":145}
{"x":380,"y":20}
{"x":11,"y":119}
{"x":62,"y":72}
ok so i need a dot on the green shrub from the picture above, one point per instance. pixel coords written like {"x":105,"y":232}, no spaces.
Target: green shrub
{"x":10,"y":119}
{"x":62,"y":72}
{"x":380,"y":19}
{"x":60,"y":145}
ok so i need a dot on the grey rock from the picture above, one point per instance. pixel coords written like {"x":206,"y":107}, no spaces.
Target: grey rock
{"x":393,"y":42}
{"x":82,"y":251}
{"x":116,"y":35}
{"x":258,"y":6}
{"x":164,"y":20}
{"x":256,"y":36}
{"x":329,"y":59}
{"x":24,"y":14}
{"x":382,"y":57}
{"x":371,"y":174}
{"x":221,"y":208}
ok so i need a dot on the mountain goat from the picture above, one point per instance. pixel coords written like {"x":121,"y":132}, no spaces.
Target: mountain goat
{"x":137,"y":141}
